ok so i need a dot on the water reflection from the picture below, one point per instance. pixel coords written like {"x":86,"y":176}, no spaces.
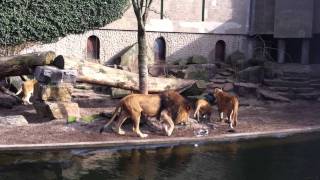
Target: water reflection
{"x":292,"y":158}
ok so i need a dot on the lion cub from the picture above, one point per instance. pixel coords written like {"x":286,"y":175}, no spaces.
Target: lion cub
{"x":27,"y":90}
{"x":227,"y":104}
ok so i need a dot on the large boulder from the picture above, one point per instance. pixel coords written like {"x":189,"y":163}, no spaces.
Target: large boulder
{"x":53,"y":75}
{"x":61,"y":92}
{"x":7,"y":101}
{"x":196,"y":73}
{"x":196,"y":89}
{"x":57,"y":110}
{"x":129,"y":60}
{"x":16,"y":120}
{"x":238,"y":60}
{"x":254,"y":74}
{"x":195,"y":59}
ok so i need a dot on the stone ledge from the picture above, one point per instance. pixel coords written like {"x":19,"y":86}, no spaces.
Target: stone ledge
{"x":163,"y":141}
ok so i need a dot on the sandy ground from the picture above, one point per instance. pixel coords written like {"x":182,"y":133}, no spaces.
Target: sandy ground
{"x":253,"y":117}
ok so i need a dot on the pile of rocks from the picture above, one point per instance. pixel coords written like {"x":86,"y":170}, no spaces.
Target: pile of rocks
{"x":53,"y":93}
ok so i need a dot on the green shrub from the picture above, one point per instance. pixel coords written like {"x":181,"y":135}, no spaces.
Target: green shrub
{"x":46,"y":20}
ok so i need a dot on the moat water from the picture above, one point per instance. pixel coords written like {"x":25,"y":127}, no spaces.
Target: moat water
{"x":293,"y":158}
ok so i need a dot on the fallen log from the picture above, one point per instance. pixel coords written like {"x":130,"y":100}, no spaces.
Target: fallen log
{"x":23,"y":64}
{"x":95,"y":73}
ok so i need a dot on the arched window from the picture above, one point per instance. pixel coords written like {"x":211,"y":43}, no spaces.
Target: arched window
{"x":160,"y":50}
{"x":93,"y":47}
{"x":220,"y":50}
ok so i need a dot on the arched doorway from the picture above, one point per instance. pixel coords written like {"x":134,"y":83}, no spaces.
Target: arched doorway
{"x":93,"y":47}
{"x":220,"y":50}
{"x":160,"y":50}
{"x":159,"y":57}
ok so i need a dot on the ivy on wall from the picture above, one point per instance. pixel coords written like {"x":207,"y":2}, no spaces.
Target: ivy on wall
{"x":45,"y":20}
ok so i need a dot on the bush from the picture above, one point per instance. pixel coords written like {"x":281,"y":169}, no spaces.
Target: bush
{"x":36,"y":20}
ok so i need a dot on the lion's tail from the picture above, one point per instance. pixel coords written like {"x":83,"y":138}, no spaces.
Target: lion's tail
{"x":235,"y":111}
{"x":114,"y":115}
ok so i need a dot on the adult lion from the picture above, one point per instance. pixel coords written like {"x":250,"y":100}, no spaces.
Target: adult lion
{"x":227,"y":104}
{"x":166,"y":106}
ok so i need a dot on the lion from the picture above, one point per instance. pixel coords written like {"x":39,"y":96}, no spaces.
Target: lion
{"x":27,"y":90}
{"x":203,"y":109}
{"x":165,"y":106}
{"x":227,"y":104}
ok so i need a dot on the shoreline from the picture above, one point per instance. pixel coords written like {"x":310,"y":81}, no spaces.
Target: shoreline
{"x":168,"y":141}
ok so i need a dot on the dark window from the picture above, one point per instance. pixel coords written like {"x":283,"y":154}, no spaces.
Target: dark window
{"x":220,"y":51}
{"x":93,"y":47}
{"x":160,"y":50}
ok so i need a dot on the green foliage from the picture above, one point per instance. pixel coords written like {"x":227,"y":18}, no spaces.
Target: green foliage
{"x":46,"y":20}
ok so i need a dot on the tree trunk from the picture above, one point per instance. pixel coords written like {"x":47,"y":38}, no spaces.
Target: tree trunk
{"x":23,"y":64}
{"x":95,"y":73}
{"x":142,"y":60}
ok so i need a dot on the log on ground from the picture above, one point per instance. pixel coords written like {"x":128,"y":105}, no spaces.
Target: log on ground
{"x":23,"y":64}
{"x":95,"y":73}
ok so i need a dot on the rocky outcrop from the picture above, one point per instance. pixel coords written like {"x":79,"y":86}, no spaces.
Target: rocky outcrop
{"x":129,"y":60}
{"x":53,"y":94}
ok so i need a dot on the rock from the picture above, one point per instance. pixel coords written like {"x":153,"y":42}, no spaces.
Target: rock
{"x":193,"y":72}
{"x":246,"y":89}
{"x":225,"y":73}
{"x":17,"y":120}
{"x":317,"y":86}
{"x":57,"y":110}
{"x":235,"y":56}
{"x":60,"y":92}
{"x":14,"y":81}
{"x":218,"y":81}
{"x":238,"y":60}
{"x":196,"y":89}
{"x":282,"y":83}
{"x":197,"y":59}
{"x":53,"y":75}
{"x":7,"y":101}
{"x":183,"y":62}
{"x":119,"y":93}
{"x":253,"y":74}
{"x":308,"y":96}
{"x":302,"y":90}
{"x":271,"y":70}
{"x":272,"y":96}
{"x":228,"y":87}
{"x":129,"y":59}
{"x":212,"y":86}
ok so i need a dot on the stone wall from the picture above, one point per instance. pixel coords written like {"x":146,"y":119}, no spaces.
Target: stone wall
{"x":223,"y":17}
{"x":184,"y":32}
{"x":113,"y":42}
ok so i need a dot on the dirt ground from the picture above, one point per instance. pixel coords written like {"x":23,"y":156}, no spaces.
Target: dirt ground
{"x":254,"y":116}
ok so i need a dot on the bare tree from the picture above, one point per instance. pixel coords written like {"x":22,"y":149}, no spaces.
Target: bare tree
{"x":141,"y":9}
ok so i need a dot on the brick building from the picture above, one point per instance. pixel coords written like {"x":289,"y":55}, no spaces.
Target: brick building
{"x":288,"y":29}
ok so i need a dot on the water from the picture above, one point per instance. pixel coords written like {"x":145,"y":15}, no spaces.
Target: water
{"x":291,"y":158}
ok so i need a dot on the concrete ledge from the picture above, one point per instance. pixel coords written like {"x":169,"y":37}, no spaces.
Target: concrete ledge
{"x":163,"y":141}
